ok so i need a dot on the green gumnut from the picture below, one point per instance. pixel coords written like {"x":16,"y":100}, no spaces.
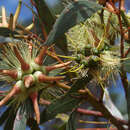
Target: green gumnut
{"x":78,"y":58}
{"x":88,"y":46}
{"x":95,"y":58}
{"x":95,"y":51}
{"x":93,"y":61}
{"x":88,"y":50}
{"x":106,"y":47}
{"x":85,"y":63}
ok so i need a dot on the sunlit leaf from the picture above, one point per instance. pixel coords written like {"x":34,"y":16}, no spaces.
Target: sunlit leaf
{"x":110,"y":105}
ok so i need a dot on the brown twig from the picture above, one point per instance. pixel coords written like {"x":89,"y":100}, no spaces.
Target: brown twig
{"x":32,"y":2}
{"x":123,"y":73}
{"x":93,"y":113}
{"x":98,"y":105}
{"x":44,"y":102}
{"x":31,"y":34}
{"x":125,"y":84}
{"x":121,"y":31}
{"x":51,"y":52}
{"x":89,"y":112}
{"x":53,"y":55}
{"x":44,"y":32}
{"x":99,"y":114}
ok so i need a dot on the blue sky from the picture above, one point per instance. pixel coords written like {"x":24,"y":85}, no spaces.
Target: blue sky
{"x":11,"y":6}
{"x":26,"y":13}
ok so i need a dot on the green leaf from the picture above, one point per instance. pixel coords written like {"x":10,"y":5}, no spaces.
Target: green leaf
{"x":73,"y":14}
{"x":45,"y":15}
{"x":47,"y":19}
{"x":62,"y":127}
{"x":112,"y":108}
{"x":20,"y":119}
{"x":10,"y":121}
{"x":71,"y":125}
{"x":65,"y":103}
{"x":125,"y":19}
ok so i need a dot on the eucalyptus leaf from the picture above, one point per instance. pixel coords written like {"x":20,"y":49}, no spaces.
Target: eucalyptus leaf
{"x":62,"y":127}
{"x":73,"y":14}
{"x":66,"y":103}
{"x":47,"y":19}
{"x":20,"y":120}
{"x":10,"y":121}
{"x":71,"y":125}
{"x":110,"y":105}
{"x":45,"y":16}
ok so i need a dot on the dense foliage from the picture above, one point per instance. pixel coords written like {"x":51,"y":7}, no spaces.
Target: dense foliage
{"x":70,"y":64}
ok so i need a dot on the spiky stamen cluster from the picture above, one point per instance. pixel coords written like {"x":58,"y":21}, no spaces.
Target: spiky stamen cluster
{"x":100,"y":61}
{"x":91,"y":44}
{"x":24,"y":67}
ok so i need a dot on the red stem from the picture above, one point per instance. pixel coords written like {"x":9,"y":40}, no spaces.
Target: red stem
{"x":42,"y":23}
{"x":39,"y":59}
{"x":34,"y":99}
{"x":15,"y":90}
{"x":44,"y":78}
{"x":85,"y":112}
{"x":24,"y":65}
{"x":121,"y":32}
{"x":12,"y":73}
{"x":99,"y":114}
{"x":89,"y":112}
{"x":50,"y":68}
{"x":53,"y":55}
{"x":44,"y":31}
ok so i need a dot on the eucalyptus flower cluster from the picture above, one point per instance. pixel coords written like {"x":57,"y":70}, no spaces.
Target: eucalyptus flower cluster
{"x":22,"y":67}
